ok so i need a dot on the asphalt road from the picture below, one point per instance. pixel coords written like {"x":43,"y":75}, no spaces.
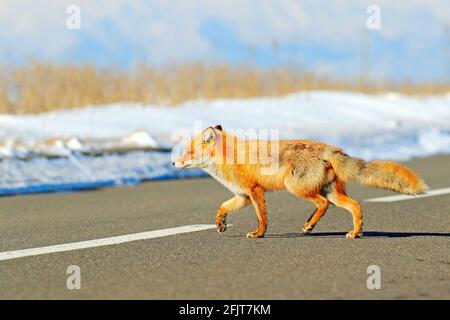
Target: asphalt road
{"x":409,"y":240}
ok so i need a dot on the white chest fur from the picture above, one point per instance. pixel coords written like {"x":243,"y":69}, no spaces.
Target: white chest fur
{"x":230,"y":185}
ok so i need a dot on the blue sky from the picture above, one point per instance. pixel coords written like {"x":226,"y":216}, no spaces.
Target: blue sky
{"x":322,"y":36}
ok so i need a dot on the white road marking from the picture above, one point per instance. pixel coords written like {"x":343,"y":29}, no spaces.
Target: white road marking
{"x":7,"y":255}
{"x":430,"y":193}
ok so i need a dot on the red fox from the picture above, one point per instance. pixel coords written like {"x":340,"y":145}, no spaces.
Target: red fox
{"x":310,"y":170}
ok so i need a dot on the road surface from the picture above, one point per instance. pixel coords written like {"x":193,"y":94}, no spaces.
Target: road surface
{"x":408,"y":240}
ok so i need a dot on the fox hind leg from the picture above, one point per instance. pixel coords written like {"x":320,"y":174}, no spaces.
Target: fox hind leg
{"x":338,"y":197}
{"x":319,"y":201}
{"x":321,"y":204}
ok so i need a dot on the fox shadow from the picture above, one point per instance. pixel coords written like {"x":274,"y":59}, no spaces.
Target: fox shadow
{"x":369,"y":234}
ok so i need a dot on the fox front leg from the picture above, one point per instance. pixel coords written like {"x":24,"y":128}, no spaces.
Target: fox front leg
{"x":259,"y":203}
{"x":235,"y":203}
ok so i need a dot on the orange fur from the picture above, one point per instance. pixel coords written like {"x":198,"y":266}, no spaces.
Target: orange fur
{"x":314,"y":171}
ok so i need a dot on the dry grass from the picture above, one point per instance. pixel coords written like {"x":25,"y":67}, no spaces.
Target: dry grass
{"x":41,"y":87}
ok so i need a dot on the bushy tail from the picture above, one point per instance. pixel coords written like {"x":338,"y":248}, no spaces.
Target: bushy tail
{"x":381,"y":174}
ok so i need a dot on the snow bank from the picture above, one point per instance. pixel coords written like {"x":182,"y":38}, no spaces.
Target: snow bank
{"x":59,"y":146}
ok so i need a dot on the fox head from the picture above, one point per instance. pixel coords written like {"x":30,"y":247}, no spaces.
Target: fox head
{"x":200,"y":151}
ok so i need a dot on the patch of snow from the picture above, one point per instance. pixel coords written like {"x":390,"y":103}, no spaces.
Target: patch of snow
{"x":139,"y":138}
{"x":57,"y":144}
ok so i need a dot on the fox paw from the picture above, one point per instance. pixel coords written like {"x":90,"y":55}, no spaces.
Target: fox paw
{"x":255,"y":234}
{"x":221,"y":225}
{"x":307,"y":228}
{"x":353,"y":235}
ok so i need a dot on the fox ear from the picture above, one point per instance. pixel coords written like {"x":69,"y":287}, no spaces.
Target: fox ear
{"x":218,"y":127}
{"x":209,"y":134}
